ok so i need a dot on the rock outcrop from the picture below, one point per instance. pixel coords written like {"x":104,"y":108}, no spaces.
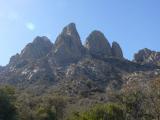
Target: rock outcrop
{"x":14,"y":59}
{"x":147,"y":56}
{"x":1,"y":68}
{"x":39,"y":48}
{"x":116,"y":50}
{"x":98,"y":45}
{"x":68,"y":47}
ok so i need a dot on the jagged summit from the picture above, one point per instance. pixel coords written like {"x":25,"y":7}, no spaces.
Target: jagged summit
{"x":98,"y":45}
{"x":147,"y":56}
{"x":40,"y":47}
{"x":116,"y":50}
{"x":39,"y":40}
{"x":70,"y":68}
{"x":71,"y":30}
{"x":68,"y":47}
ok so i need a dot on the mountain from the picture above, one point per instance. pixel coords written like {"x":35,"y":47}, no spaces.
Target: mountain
{"x":68,"y":47}
{"x":98,"y":45}
{"x":68,"y":67}
{"x":147,"y":56}
{"x":116,"y":50}
{"x":38,"y":49}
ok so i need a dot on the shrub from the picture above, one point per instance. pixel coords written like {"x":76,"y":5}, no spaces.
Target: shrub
{"x":109,"y":111}
{"x":7,"y":104}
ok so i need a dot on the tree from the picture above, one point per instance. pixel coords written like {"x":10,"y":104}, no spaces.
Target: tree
{"x":7,"y":104}
{"x":46,"y":113}
{"x":133,"y":99}
{"x":108,"y":111}
{"x":153,"y":99}
{"x":58,"y":102}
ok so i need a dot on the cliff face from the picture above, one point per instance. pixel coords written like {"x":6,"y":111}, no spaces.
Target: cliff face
{"x":70,"y":68}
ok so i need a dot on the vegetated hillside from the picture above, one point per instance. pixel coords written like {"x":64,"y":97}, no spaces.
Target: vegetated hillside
{"x":54,"y":80}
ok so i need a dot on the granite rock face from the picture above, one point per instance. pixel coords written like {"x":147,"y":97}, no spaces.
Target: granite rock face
{"x":68,"y":47}
{"x":39,"y":48}
{"x":98,"y":45}
{"x":147,"y":56}
{"x":116,"y":50}
{"x":14,"y":59}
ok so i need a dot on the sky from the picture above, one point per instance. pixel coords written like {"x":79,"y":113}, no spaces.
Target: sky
{"x":134,"y":24}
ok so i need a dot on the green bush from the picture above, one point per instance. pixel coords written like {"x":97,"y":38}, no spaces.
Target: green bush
{"x":109,"y":111}
{"x":7,"y":104}
{"x":47,"y":113}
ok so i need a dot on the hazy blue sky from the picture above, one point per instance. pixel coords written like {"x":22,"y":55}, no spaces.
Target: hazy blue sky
{"x":135,"y":24}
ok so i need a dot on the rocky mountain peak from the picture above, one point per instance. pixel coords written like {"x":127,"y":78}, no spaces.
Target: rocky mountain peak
{"x":71,"y":30}
{"x":40,"y":40}
{"x":147,"y":56}
{"x":40,"y":47}
{"x":98,"y":45}
{"x":116,"y":50}
{"x":68,"y":47}
{"x":67,"y":67}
